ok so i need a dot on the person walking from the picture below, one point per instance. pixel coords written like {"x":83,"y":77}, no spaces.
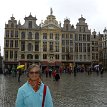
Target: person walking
{"x":54,"y":74}
{"x":46,"y":71}
{"x":102,"y":71}
{"x":19,"y":74}
{"x":34,"y":93}
{"x":75,"y":70}
{"x":50,"y":72}
{"x":14,"y":71}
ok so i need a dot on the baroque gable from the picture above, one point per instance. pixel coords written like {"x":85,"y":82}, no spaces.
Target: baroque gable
{"x":50,"y":22}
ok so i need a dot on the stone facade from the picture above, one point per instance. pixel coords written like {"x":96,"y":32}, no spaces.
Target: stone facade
{"x":49,"y":44}
{"x":104,"y":48}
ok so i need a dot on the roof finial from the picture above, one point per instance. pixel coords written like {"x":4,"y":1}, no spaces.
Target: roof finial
{"x":19,"y":22}
{"x":81,"y":15}
{"x":51,"y":11}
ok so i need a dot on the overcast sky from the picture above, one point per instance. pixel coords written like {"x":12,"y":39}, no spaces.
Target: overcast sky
{"x":94,"y":11}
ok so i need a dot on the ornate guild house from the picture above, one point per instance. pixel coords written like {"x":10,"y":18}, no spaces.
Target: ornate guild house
{"x":49,"y":43}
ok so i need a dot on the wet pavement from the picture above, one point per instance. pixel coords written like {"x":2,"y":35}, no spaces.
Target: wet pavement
{"x":80,"y":91}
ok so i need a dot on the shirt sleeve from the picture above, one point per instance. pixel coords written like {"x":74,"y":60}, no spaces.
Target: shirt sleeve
{"x":48,"y":98}
{"x":19,"y":99}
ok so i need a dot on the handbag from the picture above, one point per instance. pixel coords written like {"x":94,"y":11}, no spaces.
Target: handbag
{"x":44,"y":94}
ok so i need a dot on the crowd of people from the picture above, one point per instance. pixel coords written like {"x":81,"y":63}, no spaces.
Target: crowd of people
{"x":55,"y":73}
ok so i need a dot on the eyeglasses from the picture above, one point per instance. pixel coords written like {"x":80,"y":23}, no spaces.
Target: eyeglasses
{"x":33,"y":72}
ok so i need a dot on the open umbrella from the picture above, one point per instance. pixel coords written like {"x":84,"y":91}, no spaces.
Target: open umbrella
{"x":96,"y":66}
{"x":20,"y":66}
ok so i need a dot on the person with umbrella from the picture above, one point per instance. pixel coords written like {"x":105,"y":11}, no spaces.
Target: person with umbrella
{"x":14,"y":71}
{"x":19,"y":69}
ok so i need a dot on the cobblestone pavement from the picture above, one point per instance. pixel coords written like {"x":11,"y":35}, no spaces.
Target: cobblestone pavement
{"x":80,"y":91}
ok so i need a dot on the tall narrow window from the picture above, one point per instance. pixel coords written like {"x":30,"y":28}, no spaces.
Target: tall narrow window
{"x":88,"y":37}
{"x":12,"y":24}
{"x":12,"y":33}
{"x":63,"y":42}
{"x":94,"y":36}
{"x":84,"y":37}
{"x":7,"y":43}
{"x":36,"y":56}
{"x":16,"y":33}
{"x":11,"y":54}
{"x":36,"y":35}
{"x":63,"y":49}
{"x":76,"y":37}
{"x":11,"y":43}
{"x":57,"y":56}
{"x":51,"y":46}
{"x":16,"y":43}
{"x":67,"y":27}
{"x":63,"y":36}
{"x":29,"y":56}
{"x":30,"y":47}
{"x":63,"y":57}
{"x":51,"y":35}
{"x":80,"y":47}
{"x":15,"y":54}
{"x":30,"y":24}
{"x":44,"y":35}
{"x":22,"y":56}
{"x":56,"y":36}
{"x":44,"y":56}
{"x":76,"y":47}
{"x":30,"y":35}
{"x":84,"y":47}
{"x":7,"y":33}
{"x":79,"y":29}
{"x":80,"y":37}
{"x":23,"y":35}
{"x":22,"y":45}
{"x":36,"y":46}
{"x":44,"y":46}
{"x":83,"y":29}
{"x":71,"y":36}
{"x":88,"y":47}
{"x":6,"y":54}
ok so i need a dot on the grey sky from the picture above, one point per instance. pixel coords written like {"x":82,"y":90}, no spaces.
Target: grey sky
{"x":94,"y":11}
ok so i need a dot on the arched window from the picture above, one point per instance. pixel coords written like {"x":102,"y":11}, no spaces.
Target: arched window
{"x":29,"y":56}
{"x":30,"y":35}
{"x":22,"y":35}
{"x":22,"y":56}
{"x":36,"y":56}
{"x":30,"y":47}
{"x":36,"y":35}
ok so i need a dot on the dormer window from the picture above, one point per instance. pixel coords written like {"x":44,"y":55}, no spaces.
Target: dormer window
{"x":79,"y":29}
{"x":12,"y":25}
{"x":94,"y":36}
{"x":30,"y":24}
{"x":67,"y":27}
